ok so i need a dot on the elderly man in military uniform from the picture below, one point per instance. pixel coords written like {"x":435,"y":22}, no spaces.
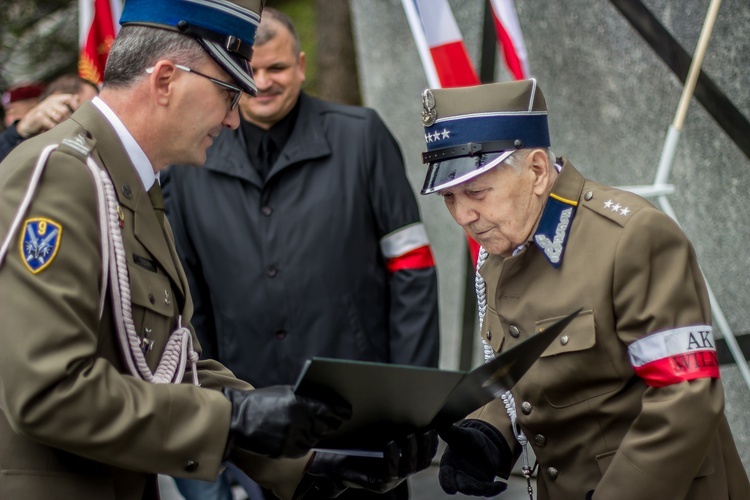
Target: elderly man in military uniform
{"x":94,"y":305}
{"x":627,"y":403}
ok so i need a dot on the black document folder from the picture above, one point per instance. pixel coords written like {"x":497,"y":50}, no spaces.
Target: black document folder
{"x":389,"y":401}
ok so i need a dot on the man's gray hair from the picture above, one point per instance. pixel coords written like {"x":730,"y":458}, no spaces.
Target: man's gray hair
{"x":139,"y":47}
{"x":516,"y":159}
{"x":267,"y":29}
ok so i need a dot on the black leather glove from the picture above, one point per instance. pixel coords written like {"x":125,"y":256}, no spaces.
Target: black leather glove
{"x":334,"y":473}
{"x":477,"y":453}
{"x":276,"y":422}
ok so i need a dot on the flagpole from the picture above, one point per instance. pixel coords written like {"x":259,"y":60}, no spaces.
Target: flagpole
{"x":665,"y":166}
{"x":415,"y":24}
{"x":670,"y":145}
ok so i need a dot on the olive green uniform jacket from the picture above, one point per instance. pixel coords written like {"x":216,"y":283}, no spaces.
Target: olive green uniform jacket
{"x":73,"y":424}
{"x":593,"y":424}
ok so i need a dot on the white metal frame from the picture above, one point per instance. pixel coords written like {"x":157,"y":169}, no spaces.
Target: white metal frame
{"x":660,"y":189}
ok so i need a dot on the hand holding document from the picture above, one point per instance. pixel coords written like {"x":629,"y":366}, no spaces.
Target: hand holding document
{"x":389,"y":401}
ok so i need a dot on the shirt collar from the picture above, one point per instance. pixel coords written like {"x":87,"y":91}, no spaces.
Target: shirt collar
{"x":137,"y":157}
{"x":279,"y":131}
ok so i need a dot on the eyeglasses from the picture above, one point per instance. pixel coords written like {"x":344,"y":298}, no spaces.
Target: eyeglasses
{"x":235,"y":92}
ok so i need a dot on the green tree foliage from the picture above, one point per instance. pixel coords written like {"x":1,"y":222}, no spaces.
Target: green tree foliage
{"x":38,"y":39}
{"x":324,"y":29}
{"x":302,"y":13}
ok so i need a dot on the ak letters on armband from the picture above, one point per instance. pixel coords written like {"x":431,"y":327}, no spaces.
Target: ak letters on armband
{"x":674,"y":356}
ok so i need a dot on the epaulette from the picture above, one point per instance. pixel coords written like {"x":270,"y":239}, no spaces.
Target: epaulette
{"x":79,"y":143}
{"x":614,"y":204}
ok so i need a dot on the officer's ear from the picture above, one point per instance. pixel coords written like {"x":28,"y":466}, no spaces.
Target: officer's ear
{"x":538,"y":163}
{"x":302,"y":64}
{"x":161,"y":80}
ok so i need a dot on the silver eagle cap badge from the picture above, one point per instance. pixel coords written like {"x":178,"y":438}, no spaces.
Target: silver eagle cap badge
{"x":429,"y":115}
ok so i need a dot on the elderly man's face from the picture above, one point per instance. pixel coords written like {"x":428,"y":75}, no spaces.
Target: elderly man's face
{"x":499,"y":208}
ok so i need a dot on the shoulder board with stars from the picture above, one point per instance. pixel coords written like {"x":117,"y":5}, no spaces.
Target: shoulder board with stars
{"x":614,"y":204}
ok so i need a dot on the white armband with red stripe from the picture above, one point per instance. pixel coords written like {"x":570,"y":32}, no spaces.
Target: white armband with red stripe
{"x":674,"y":356}
{"x":407,"y":248}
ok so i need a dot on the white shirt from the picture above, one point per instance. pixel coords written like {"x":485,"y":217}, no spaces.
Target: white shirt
{"x":134,"y":151}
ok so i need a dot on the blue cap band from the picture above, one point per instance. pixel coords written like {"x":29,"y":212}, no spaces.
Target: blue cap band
{"x":530,"y":128}
{"x":219,"y":16}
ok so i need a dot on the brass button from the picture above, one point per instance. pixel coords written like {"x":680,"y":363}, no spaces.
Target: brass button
{"x":588,"y":195}
{"x":266,"y":210}
{"x":526,"y":408}
{"x":564,"y":340}
{"x":191,"y":466}
{"x":552,"y":473}
{"x":489,"y":335}
{"x":540,"y":440}
{"x":151,"y":298}
{"x":514,"y":331}
{"x":271,"y":272}
{"x":127,"y":192}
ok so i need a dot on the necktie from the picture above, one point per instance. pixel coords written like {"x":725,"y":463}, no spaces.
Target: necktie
{"x":157,"y":201}
{"x":266,"y":155}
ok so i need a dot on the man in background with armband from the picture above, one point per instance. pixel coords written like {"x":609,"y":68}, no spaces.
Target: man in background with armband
{"x":321,"y":251}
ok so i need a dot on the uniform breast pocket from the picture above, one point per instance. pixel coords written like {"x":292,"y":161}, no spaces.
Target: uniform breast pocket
{"x":577,"y":366}
{"x":153,"y":309}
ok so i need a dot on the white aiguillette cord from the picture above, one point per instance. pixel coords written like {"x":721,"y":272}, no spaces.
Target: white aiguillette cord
{"x":179,"y":349}
{"x":489,"y":354}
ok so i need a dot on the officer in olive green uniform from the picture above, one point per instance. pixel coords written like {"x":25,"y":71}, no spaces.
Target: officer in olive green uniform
{"x":94,"y":305}
{"x":627,"y":403}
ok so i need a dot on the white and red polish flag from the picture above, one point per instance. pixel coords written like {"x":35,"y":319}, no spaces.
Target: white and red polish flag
{"x":436,"y":33}
{"x":443,"y":53}
{"x":510,"y":38}
{"x":97,"y":27}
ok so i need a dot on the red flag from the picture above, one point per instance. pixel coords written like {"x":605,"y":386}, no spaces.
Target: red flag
{"x":97,"y":30}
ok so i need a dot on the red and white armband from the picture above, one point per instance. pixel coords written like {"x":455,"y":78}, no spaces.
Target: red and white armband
{"x":407,"y":248}
{"x":674,"y":356}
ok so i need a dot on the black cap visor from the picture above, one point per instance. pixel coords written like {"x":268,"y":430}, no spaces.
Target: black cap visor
{"x":454,"y":171}
{"x":236,"y":66}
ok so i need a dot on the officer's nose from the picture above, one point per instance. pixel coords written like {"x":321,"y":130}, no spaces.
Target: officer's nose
{"x":232,"y":118}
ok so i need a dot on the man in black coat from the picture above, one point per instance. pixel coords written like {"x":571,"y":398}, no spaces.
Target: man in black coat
{"x":301,"y":236}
